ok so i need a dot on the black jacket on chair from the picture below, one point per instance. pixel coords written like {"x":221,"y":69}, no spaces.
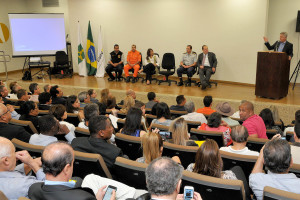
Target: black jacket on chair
{"x":288,"y":47}
{"x":10,"y":131}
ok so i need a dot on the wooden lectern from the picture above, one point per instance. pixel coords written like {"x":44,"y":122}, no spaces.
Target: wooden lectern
{"x":272,"y":75}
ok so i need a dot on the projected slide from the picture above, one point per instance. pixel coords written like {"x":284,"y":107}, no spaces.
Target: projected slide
{"x":37,"y":34}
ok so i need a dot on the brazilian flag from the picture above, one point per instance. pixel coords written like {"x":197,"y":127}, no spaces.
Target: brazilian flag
{"x":91,"y":60}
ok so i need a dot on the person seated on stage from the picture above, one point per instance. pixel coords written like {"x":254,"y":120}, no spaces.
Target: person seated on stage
{"x":151,"y":62}
{"x":47,"y":88}
{"x":282,"y":45}
{"x":237,"y":113}
{"x":89,"y":111}
{"x":192,"y":115}
{"x":239,"y":135}
{"x":267,"y":117}
{"x":254,"y":123}
{"x":207,"y":63}
{"x":30,"y":112}
{"x":84,"y":99}
{"x":152,"y":100}
{"x":133,"y":61}
{"x":180,"y":135}
{"x":35,"y":91}
{"x":8,"y":130}
{"x":116,"y":64}
{"x":132,"y":124}
{"x":93,"y":94}
{"x":277,"y":158}
{"x":57,"y":95}
{"x":180,"y":100}
{"x":206,"y":110}
{"x":22,"y":97}
{"x":58,"y":162}
{"x":49,"y":126}
{"x":226,"y":111}
{"x":45,"y":101}
{"x":187,"y":64}
{"x":163,"y":115}
{"x":152,"y":144}
{"x":101,"y":131}
{"x":14,"y":87}
{"x":215,"y":123}
{"x":14,"y":181}
{"x":4,"y":94}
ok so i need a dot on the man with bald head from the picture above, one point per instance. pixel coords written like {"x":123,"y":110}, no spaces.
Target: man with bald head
{"x":13,"y":180}
{"x":131,"y":93}
{"x":10,"y":131}
{"x":254,"y":123}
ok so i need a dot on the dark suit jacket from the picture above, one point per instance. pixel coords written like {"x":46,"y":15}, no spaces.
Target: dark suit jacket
{"x":33,"y":119}
{"x":59,"y":100}
{"x":109,"y":152}
{"x":211,"y":59}
{"x":7,"y":101}
{"x":40,"y":191}
{"x":288,"y":47}
{"x":10,"y":131}
{"x":44,"y":106}
{"x":177,"y":108}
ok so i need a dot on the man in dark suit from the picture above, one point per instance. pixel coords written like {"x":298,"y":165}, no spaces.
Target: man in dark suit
{"x":101,"y":130}
{"x":282,"y":45}
{"x":58,"y":162}
{"x":57,"y":95}
{"x":207,"y":63}
{"x":11,"y":131}
{"x":4,"y":93}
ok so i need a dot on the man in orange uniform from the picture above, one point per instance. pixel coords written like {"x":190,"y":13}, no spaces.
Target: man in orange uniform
{"x":133,"y":61}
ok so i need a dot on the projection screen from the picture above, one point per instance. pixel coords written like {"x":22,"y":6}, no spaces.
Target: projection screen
{"x":37,"y":34}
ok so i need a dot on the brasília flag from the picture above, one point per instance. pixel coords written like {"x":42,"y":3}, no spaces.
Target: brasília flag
{"x":81,"y":56}
{"x":91,"y":62}
{"x":100,"y":57}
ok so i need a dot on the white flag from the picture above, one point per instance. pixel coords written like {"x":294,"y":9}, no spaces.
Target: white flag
{"x":100,"y":57}
{"x":81,"y":57}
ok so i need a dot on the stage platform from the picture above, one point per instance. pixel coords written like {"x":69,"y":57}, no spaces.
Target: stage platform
{"x":232,"y":93}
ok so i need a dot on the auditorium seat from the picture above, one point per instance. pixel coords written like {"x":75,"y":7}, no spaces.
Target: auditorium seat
{"x":175,"y":113}
{"x":148,"y":110}
{"x":149,"y":119}
{"x":211,"y":188}
{"x":43,"y":112}
{"x":203,"y":135}
{"x":130,"y":172}
{"x":23,"y":198}
{"x":34,"y":150}
{"x":90,"y":163}
{"x":81,"y":132}
{"x":276,"y":194}
{"x":186,"y":154}
{"x":192,"y":124}
{"x":255,"y":144}
{"x":271,"y":133}
{"x":295,"y":168}
{"x":74,"y":119}
{"x":27,"y":125}
{"x":130,"y":145}
{"x":2,"y":196}
{"x":121,"y":123}
{"x":121,"y":115}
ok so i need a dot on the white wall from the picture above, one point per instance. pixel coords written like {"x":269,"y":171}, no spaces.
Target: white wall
{"x":231,"y":28}
{"x":282,"y":17}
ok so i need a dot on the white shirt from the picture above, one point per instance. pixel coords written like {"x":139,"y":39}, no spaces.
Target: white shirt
{"x":289,"y":129}
{"x":194,"y":116}
{"x":42,"y":140}
{"x":230,"y":122}
{"x":12,"y":96}
{"x":34,"y":98}
{"x":152,"y":60}
{"x":71,"y":135}
{"x":206,"y":62}
{"x":244,"y":151}
{"x":295,"y":151}
{"x":236,"y":115}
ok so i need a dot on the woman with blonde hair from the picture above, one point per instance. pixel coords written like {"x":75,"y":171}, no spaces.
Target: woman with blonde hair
{"x":180,"y":134}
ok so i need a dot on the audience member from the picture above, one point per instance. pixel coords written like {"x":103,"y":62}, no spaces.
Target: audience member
{"x":214,"y":123}
{"x":14,"y":114}
{"x":150,"y":65}
{"x":206,"y":110}
{"x":163,"y":115}
{"x":14,"y":87}
{"x":180,"y":135}
{"x":133,"y":61}
{"x":163,"y":178}
{"x":84,"y":99}
{"x":101,"y":131}
{"x":152,"y":100}
{"x":226,"y":111}
{"x":47,"y":88}
{"x":105,"y":95}
{"x":276,"y":156}
{"x":45,"y":101}
{"x":236,"y":115}
{"x":14,"y":182}
{"x":291,"y":128}
{"x":111,"y":102}
{"x":267,"y":117}
{"x":35,"y":91}
{"x":142,"y":106}
{"x":131,"y":93}
{"x":4,"y":94}
{"x":132,"y":124}
{"x":73,"y":104}
{"x":49,"y":126}
{"x":154,"y":109}
{"x":239,"y":135}
{"x":192,"y":115}
{"x":254,"y":123}
{"x":89,"y":111}
{"x":30,"y":113}
{"x":180,"y":99}
{"x":295,"y":147}
{"x":11,"y":131}
{"x":93,"y":94}
{"x":128,"y":103}
{"x":57,"y":95}
{"x":22,"y":97}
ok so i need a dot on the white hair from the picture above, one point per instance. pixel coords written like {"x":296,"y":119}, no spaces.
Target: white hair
{"x":5,"y":148}
{"x":284,"y":34}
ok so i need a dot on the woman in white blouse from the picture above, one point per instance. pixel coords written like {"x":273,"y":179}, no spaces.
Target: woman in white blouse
{"x":151,"y":62}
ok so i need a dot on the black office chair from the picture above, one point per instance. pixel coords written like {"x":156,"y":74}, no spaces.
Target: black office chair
{"x":62,"y":65}
{"x":209,"y":82}
{"x":153,"y":72}
{"x":194,"y":72}
{"x":168,"y":63}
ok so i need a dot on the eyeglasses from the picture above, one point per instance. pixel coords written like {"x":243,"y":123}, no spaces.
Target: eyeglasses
{"x":5,"y":112}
